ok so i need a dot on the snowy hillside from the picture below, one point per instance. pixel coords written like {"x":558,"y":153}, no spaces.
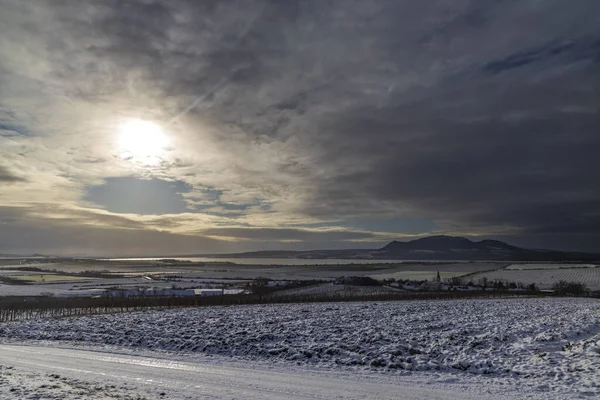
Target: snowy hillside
{"x":541,"y":342}
{"x":544,"y":278}
{"x":331,"y":289}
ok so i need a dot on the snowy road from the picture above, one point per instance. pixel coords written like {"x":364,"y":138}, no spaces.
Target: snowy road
{"x":185,"y":380}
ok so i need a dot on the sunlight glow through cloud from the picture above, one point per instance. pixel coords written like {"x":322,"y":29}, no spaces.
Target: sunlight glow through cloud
{"x":142,"y":141}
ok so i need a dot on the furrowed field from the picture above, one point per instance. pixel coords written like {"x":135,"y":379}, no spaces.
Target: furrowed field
{"x":548,"y":343}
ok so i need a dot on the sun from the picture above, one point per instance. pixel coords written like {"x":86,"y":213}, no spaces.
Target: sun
{"x":142,"y":141}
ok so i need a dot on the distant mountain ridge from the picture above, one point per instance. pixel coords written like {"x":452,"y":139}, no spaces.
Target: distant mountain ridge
{"x":452,"y":248}
{"x":439,"y":247}
{"x":6,"y":255}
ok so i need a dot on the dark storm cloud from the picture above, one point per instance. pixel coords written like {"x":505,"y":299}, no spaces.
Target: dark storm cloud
{"x":182,"y":47}
{"x":472,"y":116}
{"x":521,"y":154}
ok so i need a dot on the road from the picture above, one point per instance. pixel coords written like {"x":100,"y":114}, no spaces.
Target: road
{"x":187,"y":380}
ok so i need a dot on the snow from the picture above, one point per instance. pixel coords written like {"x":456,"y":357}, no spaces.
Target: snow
{"x":543,"y":278}
{"x":149,"y":375}
{"x":136,"y":275}
{"x":331,"y":289}
{"x":548,"y":266}
{"x":544,"y":344}
{"x":429,"y":271}
{"x":155,"y":292}
{"x":20,"y":384}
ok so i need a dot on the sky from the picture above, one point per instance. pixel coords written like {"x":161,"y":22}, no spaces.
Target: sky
{"x":133,"y":127}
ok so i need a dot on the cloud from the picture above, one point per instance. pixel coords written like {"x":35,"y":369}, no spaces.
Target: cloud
{"x":545,"y":53}
{"x":293,"y":235}
{"x":471,"y":117}
{"x":64,"y":231}
{"x":8,"y":177}
{"x":26,"y":234}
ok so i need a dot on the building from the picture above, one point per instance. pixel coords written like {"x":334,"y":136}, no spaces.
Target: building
{"x":208,"y":292}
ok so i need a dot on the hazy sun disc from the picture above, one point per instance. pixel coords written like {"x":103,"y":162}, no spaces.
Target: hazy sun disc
{"x":142,"y":140}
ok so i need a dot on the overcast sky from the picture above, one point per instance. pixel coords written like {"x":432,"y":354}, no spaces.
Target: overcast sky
{"x":297,"y":124}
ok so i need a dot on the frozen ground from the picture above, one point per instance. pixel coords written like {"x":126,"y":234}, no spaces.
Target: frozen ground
{"x":191,"y":275}
{"x":419,"y":272}
{"x":544,"y":345}
{"x":332,"y":289}
{"x":18,"y":384}
{"x":544,"y":278}
{"x":548,"y":266}
{"x":102,"y":375}
{"x":87,"y":287}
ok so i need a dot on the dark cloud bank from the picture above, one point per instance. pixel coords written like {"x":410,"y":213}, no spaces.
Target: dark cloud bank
{"x":480,"y":116}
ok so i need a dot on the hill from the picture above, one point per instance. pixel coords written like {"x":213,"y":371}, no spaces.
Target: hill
{"x":439,"y":247}
{"x":460,"y":248}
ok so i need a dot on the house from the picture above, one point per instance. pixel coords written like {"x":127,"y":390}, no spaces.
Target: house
{"x":233,"y":290}
{"x":208,"y":292}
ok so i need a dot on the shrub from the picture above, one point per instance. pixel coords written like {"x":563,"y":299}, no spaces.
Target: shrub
{"x":563,"y":288}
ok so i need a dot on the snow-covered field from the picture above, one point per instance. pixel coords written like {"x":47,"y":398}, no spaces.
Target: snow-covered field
{"x":426,"y":275}
{"x":548,"y":266}
{"x":546,"y":344}
{"x":331,"y":289}
{"x":19,"y":384}
{"x":148,"y":375}
{"x":543,"y":278}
